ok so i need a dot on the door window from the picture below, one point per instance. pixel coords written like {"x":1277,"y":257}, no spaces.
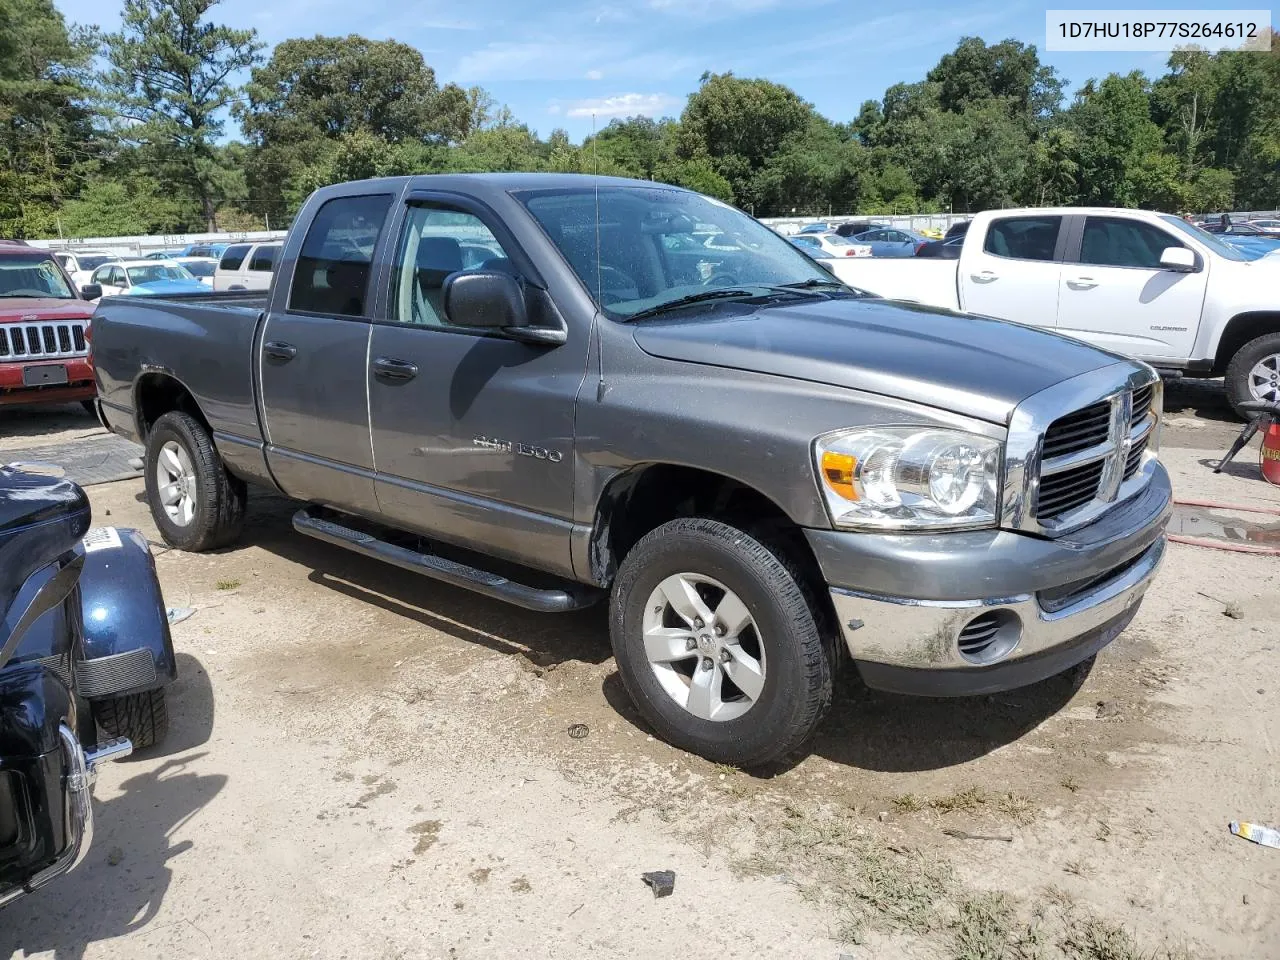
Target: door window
{"x":232,"y":257}
{"x":439,"y":241}
{"x":1124,"y":243}
{"x":264,"y":258}
{"x":1023,"y":238}
{"x":332,"y":275}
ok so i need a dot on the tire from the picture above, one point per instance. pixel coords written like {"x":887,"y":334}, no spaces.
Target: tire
{"x":142,"y":717}
{"x":784,"y":638}
{"x":1240,"y":370}
{"x":211,"y":512}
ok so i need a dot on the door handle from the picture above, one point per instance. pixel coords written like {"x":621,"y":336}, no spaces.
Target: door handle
{"x":390,"y":370}
{"x":986,"y":276}
{"x":279,"y":351}
{"x":1082,"y":283}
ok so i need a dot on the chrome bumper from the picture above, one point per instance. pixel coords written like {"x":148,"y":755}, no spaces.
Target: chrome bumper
{"x":80,"y":774}
{"x":925,"y":635}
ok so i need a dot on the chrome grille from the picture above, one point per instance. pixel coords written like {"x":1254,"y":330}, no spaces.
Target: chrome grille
{"x":1088,"y":455}
{"x":1063,"y":492}
{"x":1077,"y":431}
{"x":44,"y":340}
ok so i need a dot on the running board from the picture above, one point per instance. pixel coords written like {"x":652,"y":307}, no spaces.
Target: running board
{"x":561,"y":600}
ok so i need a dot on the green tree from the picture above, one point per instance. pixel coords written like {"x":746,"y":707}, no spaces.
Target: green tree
{"x":1116,"y":142}
{"x":47,"y":135}
{"x":737,"y":125}
{"x":169,"y":82}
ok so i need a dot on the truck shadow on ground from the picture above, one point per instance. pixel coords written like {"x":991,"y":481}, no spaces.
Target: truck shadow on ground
{"x":543,"y":639}
{"x":888,"y":733}
{"x":1205,"y":399}
{"x":865,"y":728}
{"x":120,"y":886}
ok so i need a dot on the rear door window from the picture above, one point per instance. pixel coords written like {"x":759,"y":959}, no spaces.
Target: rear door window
{"x":264,"y":258}
{"x":332,"y":275}
{"x":232,"y":257}
{"x":1023,"y":238}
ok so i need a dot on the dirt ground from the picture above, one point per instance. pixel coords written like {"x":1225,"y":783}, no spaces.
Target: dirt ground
{"x":364,"y":763}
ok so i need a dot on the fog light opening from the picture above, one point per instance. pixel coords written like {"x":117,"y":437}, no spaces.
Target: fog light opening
{"x":990,"y":636}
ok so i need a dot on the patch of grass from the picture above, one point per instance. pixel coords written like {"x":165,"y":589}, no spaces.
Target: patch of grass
{"x":1077,"y":868}
{"x":908,"y":803}
{"x":988,"y":928}
{"x":1016,"y":807}
{"x":726,"y":769}
{"x":227,"y":584}
{"x":966,"y":800}
{"x":1093,"y":939}
{"x":1070,"y":783}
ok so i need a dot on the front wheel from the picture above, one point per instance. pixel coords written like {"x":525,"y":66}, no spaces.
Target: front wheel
{"x":142,"y":717}
{"x":1254,"y":371}
{"x":717,"y":645}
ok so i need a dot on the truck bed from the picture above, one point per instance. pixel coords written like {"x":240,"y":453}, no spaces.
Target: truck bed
{"x":915,"y":279}
{"x":206,"y":339}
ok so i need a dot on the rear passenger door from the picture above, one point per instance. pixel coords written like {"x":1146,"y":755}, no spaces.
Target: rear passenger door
{"x":262,"y":261}
{"x":227,"y":277}
{"x":1014,"y":273}
{"x":313,"y":359}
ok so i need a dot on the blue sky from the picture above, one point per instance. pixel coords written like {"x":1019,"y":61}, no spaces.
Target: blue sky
{"x":558,"y":61}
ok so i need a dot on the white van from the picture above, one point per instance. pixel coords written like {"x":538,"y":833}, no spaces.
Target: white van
{"x":246,"y":266}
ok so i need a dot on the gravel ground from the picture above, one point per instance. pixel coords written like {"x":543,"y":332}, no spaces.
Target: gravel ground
{"x":364,"y":763}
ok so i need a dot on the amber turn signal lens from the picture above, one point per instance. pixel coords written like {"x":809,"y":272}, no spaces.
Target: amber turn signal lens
{"x":838,"y":470}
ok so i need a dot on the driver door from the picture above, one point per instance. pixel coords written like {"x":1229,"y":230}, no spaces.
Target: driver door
{"x":472,"y":432}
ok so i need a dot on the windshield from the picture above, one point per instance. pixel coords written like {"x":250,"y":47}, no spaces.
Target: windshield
{"x":1220,"y":247}
{"x":94,"y":261}
{"x":200,"y":269}
{"x":654,"y":245}
{"x":157,"y":271}
{"x":29,"y":277}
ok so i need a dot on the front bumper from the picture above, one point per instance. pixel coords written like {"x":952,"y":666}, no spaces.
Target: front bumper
{"x":79,"y":386}
{"x":975,"y":613}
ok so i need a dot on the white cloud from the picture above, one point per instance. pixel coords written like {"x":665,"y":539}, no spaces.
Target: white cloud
{"x":563,"y":58}
{"x":623,"y":105}
{"x":595,"y":74}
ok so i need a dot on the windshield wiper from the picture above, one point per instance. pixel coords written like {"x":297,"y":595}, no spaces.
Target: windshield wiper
{"x":723,"y":293}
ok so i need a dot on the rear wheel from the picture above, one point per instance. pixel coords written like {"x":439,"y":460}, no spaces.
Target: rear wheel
{"x":195,"y":503}
{"x":142,"y":717}
{"x":717,"y":645}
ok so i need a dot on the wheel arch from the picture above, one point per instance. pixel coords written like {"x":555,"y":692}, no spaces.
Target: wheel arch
{"x":156,"y":393}
{"x":647,"y":495}
{"x":1241,"y":329}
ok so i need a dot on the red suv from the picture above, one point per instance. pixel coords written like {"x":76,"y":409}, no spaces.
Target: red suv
{"x":44,"y":331}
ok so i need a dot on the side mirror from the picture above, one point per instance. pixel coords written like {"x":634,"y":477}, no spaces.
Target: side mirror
{"x":827,"y":265}
{"x":484,"y":299}
{"x":1178,"y":259}
{"x":91,"y":291}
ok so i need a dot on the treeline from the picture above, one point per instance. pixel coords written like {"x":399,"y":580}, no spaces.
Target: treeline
{"x":124,"y":133}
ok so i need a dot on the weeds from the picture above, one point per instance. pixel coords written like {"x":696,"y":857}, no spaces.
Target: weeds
{"x":227,"y":584}
{"x":1070,"y":783}
{"x":1011,"y":805}
{"x":909,"y":803}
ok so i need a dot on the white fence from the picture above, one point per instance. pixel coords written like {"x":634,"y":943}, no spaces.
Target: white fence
{"x":141,"y":246}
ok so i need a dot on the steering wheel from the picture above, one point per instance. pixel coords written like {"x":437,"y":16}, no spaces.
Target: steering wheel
{"x":721,"y":280}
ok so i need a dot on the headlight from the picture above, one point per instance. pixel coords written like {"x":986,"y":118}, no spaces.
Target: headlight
{"x":908,"y":478}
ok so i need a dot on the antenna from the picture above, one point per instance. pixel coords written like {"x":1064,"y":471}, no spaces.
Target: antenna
{"x":595,"y":163}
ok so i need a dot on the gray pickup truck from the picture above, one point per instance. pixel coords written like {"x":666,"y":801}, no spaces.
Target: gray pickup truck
{"x":550,"y":389}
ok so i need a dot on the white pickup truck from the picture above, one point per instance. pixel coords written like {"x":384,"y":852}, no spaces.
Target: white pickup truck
{"x":1146,"y":285}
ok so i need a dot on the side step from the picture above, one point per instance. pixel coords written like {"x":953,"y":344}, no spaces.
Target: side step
{"x":561,"y":600}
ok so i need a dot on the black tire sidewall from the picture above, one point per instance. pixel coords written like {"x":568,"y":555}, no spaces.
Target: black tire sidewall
{"x":1245,"y":359}
{"x":765,"y":585}
{"x":178,"y":427}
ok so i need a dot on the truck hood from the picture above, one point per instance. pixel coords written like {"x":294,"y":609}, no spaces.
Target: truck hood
{"x":970,"y":365}
{"x":43,"y":308}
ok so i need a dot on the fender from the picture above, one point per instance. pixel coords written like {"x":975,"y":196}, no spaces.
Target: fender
{"x":127,"y":647}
